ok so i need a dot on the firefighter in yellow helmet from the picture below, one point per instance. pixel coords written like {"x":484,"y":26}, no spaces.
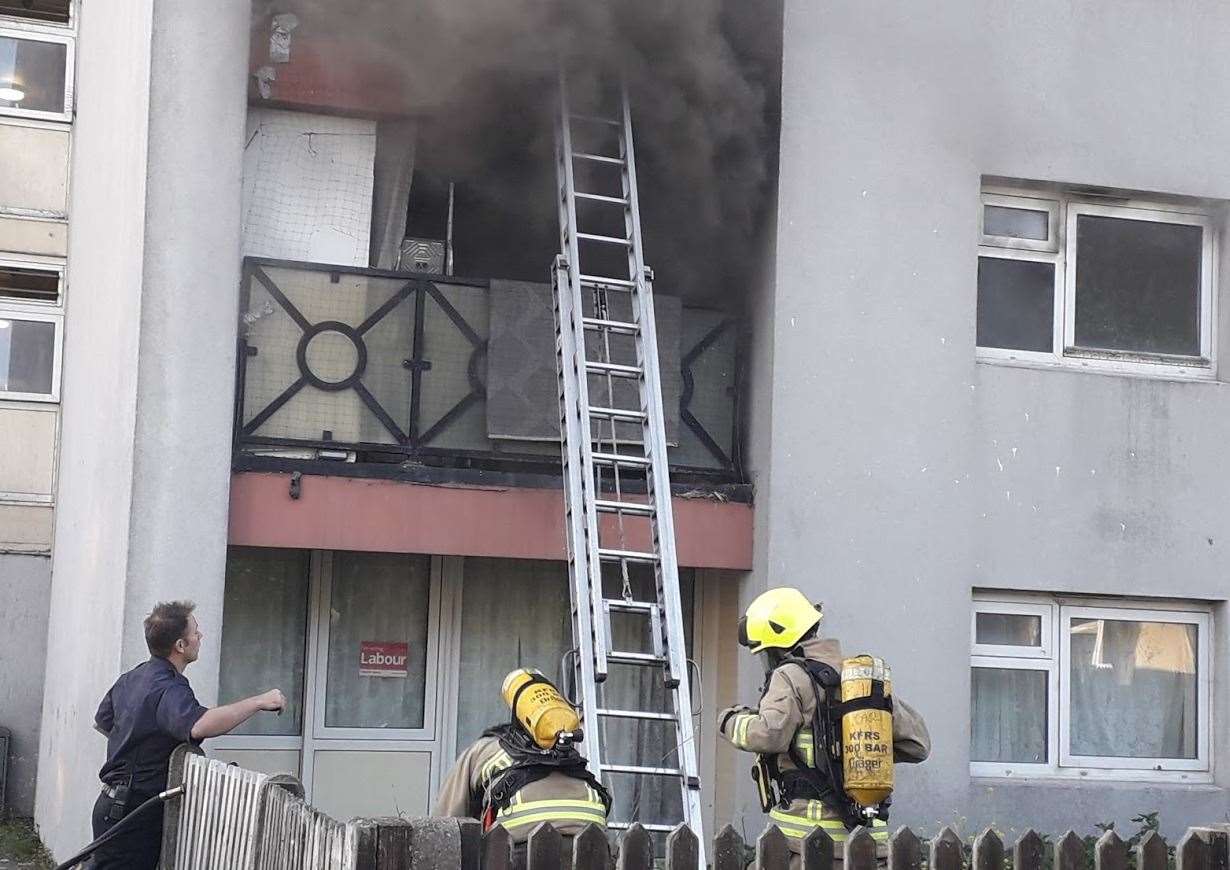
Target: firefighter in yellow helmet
{"x":527,"y":770}
{"x":796,"y":729}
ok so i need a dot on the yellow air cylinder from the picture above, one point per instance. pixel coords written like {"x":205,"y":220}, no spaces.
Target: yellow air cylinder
{"x":540,"y":708}
{"x":866,"y":734}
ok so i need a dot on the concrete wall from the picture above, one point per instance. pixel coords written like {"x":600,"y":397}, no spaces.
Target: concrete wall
{"x":149,"y":364}
{"x":25,"y":588}
{"x":884,"y":485}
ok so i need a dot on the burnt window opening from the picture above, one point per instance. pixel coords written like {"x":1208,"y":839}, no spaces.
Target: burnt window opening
{"x":48,"y":11}
{"x":29,"y":285}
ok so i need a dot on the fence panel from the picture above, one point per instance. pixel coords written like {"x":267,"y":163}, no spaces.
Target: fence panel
{"x":217,"y":816}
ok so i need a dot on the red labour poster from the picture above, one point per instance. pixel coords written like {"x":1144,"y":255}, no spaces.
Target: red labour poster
{"x":380,"y":658}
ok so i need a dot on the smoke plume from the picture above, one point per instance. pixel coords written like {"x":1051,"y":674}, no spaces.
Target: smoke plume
{"x":703,"y":79}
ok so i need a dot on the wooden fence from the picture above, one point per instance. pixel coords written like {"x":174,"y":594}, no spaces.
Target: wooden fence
{"x":235,"y":819}
{"x":448,"y":844}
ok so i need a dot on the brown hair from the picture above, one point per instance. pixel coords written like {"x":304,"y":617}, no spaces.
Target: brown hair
{"x":166,"y":623}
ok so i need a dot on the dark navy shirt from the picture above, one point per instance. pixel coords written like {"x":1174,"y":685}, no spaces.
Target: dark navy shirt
{"x":147,"y":713}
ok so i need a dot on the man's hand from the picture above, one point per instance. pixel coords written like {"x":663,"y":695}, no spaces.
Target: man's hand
{"x":271,"y":700}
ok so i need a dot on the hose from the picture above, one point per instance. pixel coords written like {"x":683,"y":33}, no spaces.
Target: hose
{"x":118,"y":828}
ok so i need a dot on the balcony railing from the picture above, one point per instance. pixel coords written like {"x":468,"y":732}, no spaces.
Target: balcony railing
{"x":389,"y":365}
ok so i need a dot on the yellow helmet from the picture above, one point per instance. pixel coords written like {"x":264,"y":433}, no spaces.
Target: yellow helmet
{"x":778,"y":619}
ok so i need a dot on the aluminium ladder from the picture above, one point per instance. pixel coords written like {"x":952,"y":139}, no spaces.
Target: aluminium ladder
{"x":618,"y":439}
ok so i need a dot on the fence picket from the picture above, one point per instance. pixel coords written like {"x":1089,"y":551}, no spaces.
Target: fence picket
{"x":1070,"y":852}
{"x":497,"y":849}
{"x":1151,"y":852}
{"x":590,"y":850}
{"x":729,"y":850}
{"x":947,"y":852}
{"x":1191,"y":852}
{"x":635,"y":849}
{"x":1110,"y":852}
{"x":860,"y":850}
{"x":988,"y":851}
{"x":1029,"y":853}
{"x":904,"y":851}
{"x":818,"y":850}
{"x":682,"y":849}
{"x":772,"y":850}
{"x":544,"y":848}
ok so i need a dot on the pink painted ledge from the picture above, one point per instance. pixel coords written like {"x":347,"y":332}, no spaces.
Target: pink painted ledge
{"x":344,"y":513}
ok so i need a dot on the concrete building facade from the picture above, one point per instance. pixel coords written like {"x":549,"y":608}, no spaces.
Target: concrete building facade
{"x":1014,"y":501}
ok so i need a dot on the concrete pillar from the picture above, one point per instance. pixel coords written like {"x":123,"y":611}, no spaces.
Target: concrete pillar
{"x":148,"y":365}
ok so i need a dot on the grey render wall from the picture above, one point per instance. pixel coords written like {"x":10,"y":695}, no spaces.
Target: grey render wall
{"x":885,"y":492}
{"x":25,"y":590}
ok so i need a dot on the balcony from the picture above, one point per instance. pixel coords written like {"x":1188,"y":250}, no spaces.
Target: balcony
{"x":400,"y":370}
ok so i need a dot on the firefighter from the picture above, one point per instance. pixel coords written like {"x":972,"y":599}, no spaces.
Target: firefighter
{"x":795,"y":731}
{"x":528,"y":770}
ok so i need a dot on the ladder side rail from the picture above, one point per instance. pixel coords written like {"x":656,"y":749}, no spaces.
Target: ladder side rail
{"x":574,"y":501}
{"x":658,"y":482}
{"x":569,"y":244}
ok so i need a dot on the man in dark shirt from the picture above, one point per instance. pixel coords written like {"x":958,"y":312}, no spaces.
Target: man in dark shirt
{"x":147,"y":713}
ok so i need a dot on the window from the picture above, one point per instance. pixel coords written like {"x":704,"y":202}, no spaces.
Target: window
{"x":1097,"y":283}
{"x":36,"y":67}
{"x":53,"y":11}
{"x":31,"y":327}
{"x":1089,"y":689}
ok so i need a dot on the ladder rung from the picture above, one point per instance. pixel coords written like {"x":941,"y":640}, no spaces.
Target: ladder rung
{"x":643,"y":771}
{"x":597,"y":197}
{"x":631,"y":658}
{"x":630,"y":508}
{"x":596,"y":119}
{"x":627,"y":556}
{"x":619,"y":605}
{"x":622,"y":327}
{"x":613,"y":459}
{"x":623,"y":414}
{"x":597,"y":158}
{"x":602,"y":281}
{"x":606,"y":240}
{"x":636,"y":714}
{"x":655,"y":827}
{"x":613,"y":369}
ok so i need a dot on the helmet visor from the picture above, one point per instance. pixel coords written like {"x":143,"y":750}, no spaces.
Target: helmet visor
{"x":743,"y":639}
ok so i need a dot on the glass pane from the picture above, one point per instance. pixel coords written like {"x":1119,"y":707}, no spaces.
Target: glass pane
{"x":27,"y":355}
{"x":1138,"y":285}
{"x":1016,"y":304}
{"x":264,"y":633}
{"x":32,"y":74}
{"x":378,"y":640}
{"x":1008,"y":629}
{"x":37,"y":10}
{"x":29,"y":285}
{"x":1008,"y":713}
{"x":1133,"y":688}
{"x":1016,"y":223}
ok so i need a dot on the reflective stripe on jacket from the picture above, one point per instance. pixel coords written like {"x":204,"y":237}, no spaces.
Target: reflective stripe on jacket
{"x":569,"y":804}
{"x":802,"y":817}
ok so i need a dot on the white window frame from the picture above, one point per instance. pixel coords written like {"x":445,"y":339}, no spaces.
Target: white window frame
{"x":16,"y":28}
{"x":427,"y":732}
{"x":1057,"y":614}
{"x":1203,"y":664}
{"x":1023,"y":203}
{"x":1060,"y":249}
{"x":46,"y":312}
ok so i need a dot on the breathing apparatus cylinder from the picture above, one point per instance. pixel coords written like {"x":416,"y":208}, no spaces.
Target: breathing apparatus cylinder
{"x":539,"y":708}
{"x":867,"y":730}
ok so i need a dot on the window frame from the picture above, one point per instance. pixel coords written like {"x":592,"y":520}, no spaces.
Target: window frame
{"x":44,"y":312}
{"x":1066,"y":207}
{"x":1061,"y":764}
{"x":1203,"y":713}
{"x":16,"y":28}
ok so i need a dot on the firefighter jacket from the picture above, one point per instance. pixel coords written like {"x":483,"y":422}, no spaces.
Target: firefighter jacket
{"x":568,"y":803}
{"x":784,"y":718}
